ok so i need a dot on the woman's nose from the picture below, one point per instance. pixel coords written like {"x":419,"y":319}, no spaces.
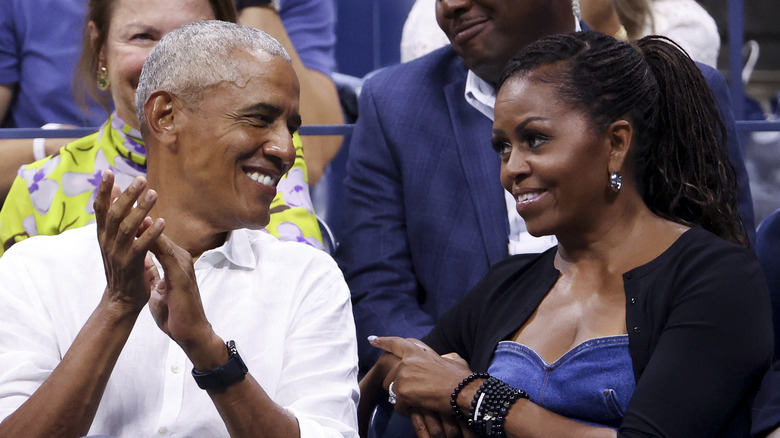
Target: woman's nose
{"x":516,"y":166}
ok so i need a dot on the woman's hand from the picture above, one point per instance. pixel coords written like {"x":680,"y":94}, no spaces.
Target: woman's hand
{"x":428,"y":424}
{"x":372,"y":391}
{"x":422,"y":378}
{"x":125,"y":234}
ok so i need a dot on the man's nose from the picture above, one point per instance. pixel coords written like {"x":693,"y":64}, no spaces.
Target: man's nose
{"x":281,"y":148}
{"x":452,"y":8}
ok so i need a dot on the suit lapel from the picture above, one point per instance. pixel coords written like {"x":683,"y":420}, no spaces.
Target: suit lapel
{"x":480,"y":165}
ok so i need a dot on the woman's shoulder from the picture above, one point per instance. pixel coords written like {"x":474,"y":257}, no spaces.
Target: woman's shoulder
{"x":81,"y":146}
{"x":78,"y":155}
{"x":700,"y":262}
{"x":526,"y":271}
{"x":698,"y":246}
{"x":522,"y":262}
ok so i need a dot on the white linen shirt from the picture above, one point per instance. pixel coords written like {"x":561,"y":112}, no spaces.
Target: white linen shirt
{"x":286,"y":305}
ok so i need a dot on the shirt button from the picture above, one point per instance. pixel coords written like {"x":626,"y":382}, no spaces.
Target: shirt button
{"x":162,"y":430}
{"x":176,"y":368}
{"x":633,"y":300}
{"x":636,"y":330}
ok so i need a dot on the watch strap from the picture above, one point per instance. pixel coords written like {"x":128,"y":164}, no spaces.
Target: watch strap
{"x":233,"y":371}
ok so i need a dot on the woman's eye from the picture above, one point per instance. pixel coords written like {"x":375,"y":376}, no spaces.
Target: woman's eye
{"x":535,"y":141}
{"x":142,"y":36}
{"x":502,"y":148}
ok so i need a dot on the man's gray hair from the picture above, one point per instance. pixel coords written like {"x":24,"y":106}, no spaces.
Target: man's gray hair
{"x":193,"y":57}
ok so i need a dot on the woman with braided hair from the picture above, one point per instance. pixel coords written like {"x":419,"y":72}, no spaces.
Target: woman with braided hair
{"x":651,"y":316}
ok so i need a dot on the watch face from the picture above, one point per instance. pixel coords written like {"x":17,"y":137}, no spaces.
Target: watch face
{"x":231,"y":372}
{"x":241,"y":364}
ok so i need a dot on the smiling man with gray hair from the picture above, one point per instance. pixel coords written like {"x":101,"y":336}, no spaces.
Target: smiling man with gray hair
{"x":80,"y":353}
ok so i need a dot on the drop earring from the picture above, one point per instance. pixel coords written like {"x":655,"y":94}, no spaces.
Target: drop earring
{"x":102,"y":79}
{"x":615,"y":181}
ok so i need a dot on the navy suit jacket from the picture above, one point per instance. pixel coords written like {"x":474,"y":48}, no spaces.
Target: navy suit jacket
{"x":424,"y":215}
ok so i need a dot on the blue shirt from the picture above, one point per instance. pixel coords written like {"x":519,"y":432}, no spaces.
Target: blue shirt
{"x":311,"y":26}
{"x":40,"y":44}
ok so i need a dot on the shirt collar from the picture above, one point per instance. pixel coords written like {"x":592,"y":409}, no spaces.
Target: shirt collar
{"x":480,"y":94}
{"x":237,"y":249}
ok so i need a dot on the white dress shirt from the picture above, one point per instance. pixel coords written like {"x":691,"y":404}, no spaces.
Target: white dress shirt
{"x":285,"y":304}
{"x":421,"y":33}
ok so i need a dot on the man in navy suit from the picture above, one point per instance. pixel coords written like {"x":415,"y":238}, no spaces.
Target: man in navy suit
{"x":425,"y":214}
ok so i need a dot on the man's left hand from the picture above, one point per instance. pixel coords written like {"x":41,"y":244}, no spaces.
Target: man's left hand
{"x":177,"y":308}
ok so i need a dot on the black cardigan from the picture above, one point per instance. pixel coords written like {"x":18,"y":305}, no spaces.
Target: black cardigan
{"x":699,"y":327}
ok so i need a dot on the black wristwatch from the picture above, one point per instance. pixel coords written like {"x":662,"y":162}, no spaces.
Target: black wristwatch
{"x":241,"y":4}
{"x":232,"y":372}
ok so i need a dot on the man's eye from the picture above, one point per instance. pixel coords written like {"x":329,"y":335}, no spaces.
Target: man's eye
{"x":259,"y":121}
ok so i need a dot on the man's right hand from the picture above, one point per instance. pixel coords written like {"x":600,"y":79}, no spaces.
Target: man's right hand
{"x":125,"y":233}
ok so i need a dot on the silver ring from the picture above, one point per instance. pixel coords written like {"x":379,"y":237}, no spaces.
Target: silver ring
{"x":392,"y":395}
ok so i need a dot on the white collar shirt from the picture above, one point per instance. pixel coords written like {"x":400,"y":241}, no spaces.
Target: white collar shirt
{"x":285,"y":304}
{"x":482,"y":96}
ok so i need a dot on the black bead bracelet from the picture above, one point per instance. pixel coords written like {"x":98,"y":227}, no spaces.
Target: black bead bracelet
{"x":491,"y":405}
{"x":459,"y":388}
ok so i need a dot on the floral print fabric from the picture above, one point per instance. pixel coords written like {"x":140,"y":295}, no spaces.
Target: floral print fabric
{"x":56,"y":194}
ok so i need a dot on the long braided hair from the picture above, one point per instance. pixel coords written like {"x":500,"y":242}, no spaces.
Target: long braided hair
{"x":682,"y":167}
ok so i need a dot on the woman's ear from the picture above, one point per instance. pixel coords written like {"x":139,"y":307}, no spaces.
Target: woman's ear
{"x":620,"y":134}
{"x":93,"y":37}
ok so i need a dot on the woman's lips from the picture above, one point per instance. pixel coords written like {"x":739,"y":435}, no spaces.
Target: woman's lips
{"x":527,"y":199}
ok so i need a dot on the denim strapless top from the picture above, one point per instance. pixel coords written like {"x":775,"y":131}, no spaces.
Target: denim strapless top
{"x":591,"y":383}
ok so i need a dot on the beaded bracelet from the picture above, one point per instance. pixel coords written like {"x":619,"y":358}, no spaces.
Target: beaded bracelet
{"x":459,"y":388}
{"x":491,"y":405}
{"x":478,"y":416}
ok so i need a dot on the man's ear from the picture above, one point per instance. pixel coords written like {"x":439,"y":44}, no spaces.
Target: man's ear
{"x":620,"y":135}
{"x":159,"y":112}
